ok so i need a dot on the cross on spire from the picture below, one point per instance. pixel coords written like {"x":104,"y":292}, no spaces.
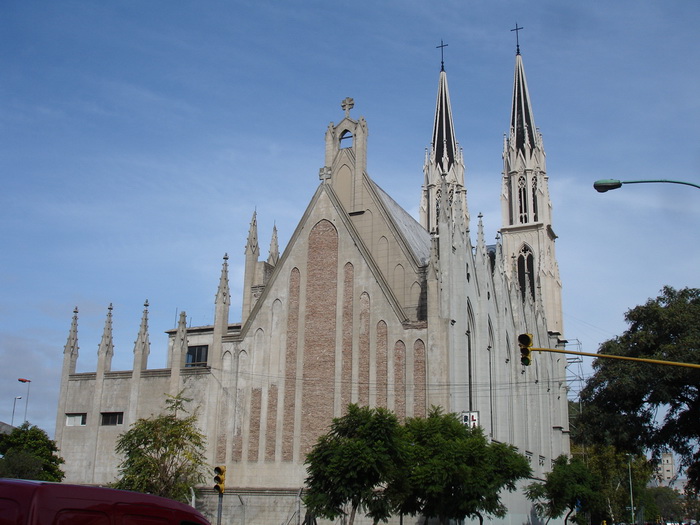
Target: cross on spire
{"x":517,"y":38}
{"x":442,"y":47}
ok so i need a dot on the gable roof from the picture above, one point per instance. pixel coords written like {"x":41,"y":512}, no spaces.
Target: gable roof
{"x":417,"y":238}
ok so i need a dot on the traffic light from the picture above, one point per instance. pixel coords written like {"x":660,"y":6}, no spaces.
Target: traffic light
{"x":220,"y":479}
{"x":525,"y":342}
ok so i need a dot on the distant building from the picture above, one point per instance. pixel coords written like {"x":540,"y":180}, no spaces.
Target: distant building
{"x":666,"y":469}
{"x":365,"y":305}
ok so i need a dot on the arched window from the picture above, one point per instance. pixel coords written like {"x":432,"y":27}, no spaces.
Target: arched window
{"x":526,"y":271}
{"x":522,"y":199}
{"x":534,"y":198}
{"x":345,"y":139}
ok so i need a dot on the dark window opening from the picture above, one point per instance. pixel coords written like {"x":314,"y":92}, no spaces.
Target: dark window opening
{"x":112,"y":418}
{"x":197,"y":356}
{"x":526,"y":272}
{"x":522,"y":200}
{"x":535,"y":213}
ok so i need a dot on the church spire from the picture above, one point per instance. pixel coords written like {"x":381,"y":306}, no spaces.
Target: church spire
{"x":142,"y":346}
{"x":252,"y":244}
{"x":527,"y":233}
{"x":106,"y":349}
{"x":274,"y":248}
{"x":522,"y":123}
{"x":252,"y":253}
{"x":444,"y":144}
{"x":223,"y":295}
{"x":70,"y":351}
{"x":444,"y":160}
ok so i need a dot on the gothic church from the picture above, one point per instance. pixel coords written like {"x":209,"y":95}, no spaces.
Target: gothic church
{"x":365,"y":305}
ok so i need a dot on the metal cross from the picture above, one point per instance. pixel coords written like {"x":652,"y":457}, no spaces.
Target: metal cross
{"x":442,"y":47}
{"x":347,"y":104}
{"x":517,"y":38}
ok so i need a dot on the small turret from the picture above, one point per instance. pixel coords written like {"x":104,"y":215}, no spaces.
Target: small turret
{"x":106,"y":349}
{"x":142,"y":346}
{"x":274,"y":248}
{"x":252,"y":254}
{"x":70,"y":351}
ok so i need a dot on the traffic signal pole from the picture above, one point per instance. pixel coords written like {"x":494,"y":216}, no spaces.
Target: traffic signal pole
{"x":624,"y":358}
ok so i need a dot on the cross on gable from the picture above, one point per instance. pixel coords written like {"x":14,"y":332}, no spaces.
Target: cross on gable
{"x":347,"y":104}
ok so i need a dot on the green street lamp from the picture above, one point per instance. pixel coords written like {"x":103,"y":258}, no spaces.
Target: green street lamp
{"x":604,"y":185}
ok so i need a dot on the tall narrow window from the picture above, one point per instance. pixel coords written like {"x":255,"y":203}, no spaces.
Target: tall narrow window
{"x":526,"y":272}
{"x":522,"y":199}
{"x":534,"y":198}
{"x":196,"y":356}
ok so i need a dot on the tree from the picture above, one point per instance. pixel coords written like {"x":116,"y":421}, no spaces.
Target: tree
{"x":163,"y":455}
{"x":454,"y":472}
{"x":570,"y":486}
{"x":28,"y":453}
{"x":353,"y":463}
{"x":638,"y":406}
{"x":667,"y":505}
{"x":613,"y":469}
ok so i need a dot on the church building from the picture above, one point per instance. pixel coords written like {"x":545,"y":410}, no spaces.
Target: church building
{"x":365,"y":305}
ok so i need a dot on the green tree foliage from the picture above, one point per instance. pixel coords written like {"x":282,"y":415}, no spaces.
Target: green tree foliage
{"x":163,"y":455}
{"x":353,"y":463}
{"x":28,"y":453}
{"x":454,"y":472}
{"x":612,"y":468}
{"x":569,"y":487}
{"x":667,"y":505}
{"x":641,"y":406}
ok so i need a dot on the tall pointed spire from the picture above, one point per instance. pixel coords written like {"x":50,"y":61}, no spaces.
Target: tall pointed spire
{"x":252,"y":253}
{"x":70,"y":351}
{"x":444,"y":144}
{"x":106,"y":349}
{"x":443,"y":160}
{"x":142,"y":346}
{"x":252,"y":244}
{"x":274,"y":248}
{"x":223,"y":295}
{"x":528,"y":236}
{"x":522,"y":123}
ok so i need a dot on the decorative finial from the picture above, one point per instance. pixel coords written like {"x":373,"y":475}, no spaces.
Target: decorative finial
{"x":517,"y":38}
{"x":442,"y":47}
{"x":226,"y":257}
{"x":347,"y":104}
{"x":145,"y":305}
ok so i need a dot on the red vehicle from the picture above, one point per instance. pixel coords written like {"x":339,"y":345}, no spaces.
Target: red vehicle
{"x":42,"y":503}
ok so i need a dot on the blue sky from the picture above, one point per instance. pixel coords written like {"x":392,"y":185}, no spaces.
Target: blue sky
{"x":137,"y":138}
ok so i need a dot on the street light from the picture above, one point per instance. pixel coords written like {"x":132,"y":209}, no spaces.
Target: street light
{"x":604,"y":185}
{"x":26,"y":401}
{"x":14,"y":404}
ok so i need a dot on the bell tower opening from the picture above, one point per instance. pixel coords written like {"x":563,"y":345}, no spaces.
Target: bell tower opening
{"x":345,"y":140}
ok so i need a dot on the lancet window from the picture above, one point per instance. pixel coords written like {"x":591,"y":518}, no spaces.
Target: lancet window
{"x":526,"y":271}
{"x":522,"y":199}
